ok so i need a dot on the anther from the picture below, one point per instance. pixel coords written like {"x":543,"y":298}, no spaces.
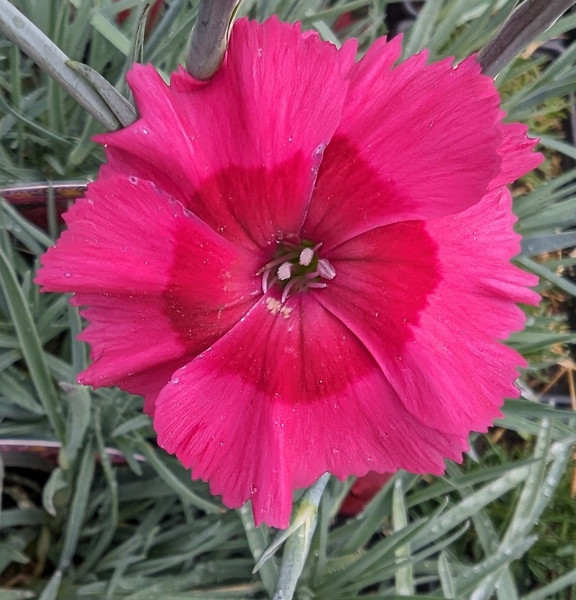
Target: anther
{"x":288,"y":289}
{"x":298,"y":267}
{"x":284,"y":271}
{"x":325,"y":269}
{"x":306,"y":257}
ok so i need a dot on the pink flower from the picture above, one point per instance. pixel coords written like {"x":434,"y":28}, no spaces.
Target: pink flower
{"x":363,"y":490}
{"x":303,"y":264}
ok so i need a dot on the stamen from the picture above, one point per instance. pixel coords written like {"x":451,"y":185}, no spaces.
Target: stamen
{"x":289,"y":287}
{"x":265,"y":284}
{"x":267,"y":281}
{"x":306,"y":257}
{"x":326,"y":270}
{"x":297,"y":267}
{"x":278,"y":261}
{"x":284,"y":271}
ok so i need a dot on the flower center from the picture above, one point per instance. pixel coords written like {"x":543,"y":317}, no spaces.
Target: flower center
{"x":296,"y":267}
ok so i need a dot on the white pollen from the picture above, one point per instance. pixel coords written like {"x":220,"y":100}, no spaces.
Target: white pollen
{"x":276,"y":307}
{"x":306,"y":257}
{"x":284,"y":271}
{"x":325,"y":269}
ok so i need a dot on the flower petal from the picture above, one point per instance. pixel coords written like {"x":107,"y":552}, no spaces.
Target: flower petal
{"x":431,"y":302}
{"x":363,"y":490}
{"x":517,"y":152}
{"x":158,"y":285}
{"x":286,"y":395}
{"x":416,"y":141}
{"x":256,"y":130}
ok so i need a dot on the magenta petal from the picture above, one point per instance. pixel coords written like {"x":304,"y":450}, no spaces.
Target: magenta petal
{"x":251,"y":137}
{"x":285,"y":396}
{"x":432,"y":302}
{"x":518,"y":157}
{"x":302,"y":264}
{"x":157,"y":284}
{"x":416,"y":141}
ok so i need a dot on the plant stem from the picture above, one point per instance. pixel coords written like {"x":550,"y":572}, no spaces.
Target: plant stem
{"x":524,"y":25}
{"x":22,"y":32}
{"x":209,"y":38}
{"x":298,"y":543}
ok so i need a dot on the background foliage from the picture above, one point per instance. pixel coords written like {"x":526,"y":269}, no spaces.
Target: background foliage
{"x":92,"y":509}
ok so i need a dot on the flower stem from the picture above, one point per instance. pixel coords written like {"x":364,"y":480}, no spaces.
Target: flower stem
{"x":24,"y":34}
{"x":298,"y":543}
{"x":209,"y":38}
{"x":257,"y":541}
{"x":526,"y":23}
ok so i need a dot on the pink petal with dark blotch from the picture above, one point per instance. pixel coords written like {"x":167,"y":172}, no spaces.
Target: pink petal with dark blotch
{"x":286,"y":395}
{"x":136,"y":259}
{"x":518,"y":157}
{"x":393,"y":174}
{"x":273,"y":105}
{"x":445,"y":360}
{"x":426,"y":136}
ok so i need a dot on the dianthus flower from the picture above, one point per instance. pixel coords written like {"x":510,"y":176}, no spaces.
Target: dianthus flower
{"x":303,"y":263}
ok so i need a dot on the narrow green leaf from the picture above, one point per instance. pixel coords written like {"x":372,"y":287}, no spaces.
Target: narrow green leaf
{"x":109,"y":528}
{"x":82,"y":488}
{"x":372,"y":518}
{"x":298,"y":543}
{"x":525,"y":24}
{"x":19,"y":395}
{"x":539,"y":244}
{"x":472,"y":504}
{"x":30,"y":39}
{"x":446,"y":576}
{"x":109,"y":31}
{"x":34,"y":238}
{"x":404,"y":575}
{"x":469,"y":584}
{"x":6,"y":594}
{"x":56,"y":482}
{"x":258,"y":539}
{"x":334,"y":11}
{"x":423,"y":28}
{"x":168,"y":477}
{"x":558,"y":145}
{"x":122,"y":109}
{"x":542,"y":271}
{"x":137,"y":53}
{"x":560,"y":583}
{"x":79,"y":412}
{"x":209,"y":37}
{"x":50,"y":592}
{"x":31,"y":347}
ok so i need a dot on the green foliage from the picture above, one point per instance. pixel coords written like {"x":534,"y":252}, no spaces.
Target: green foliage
{"x":92,"y":509}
